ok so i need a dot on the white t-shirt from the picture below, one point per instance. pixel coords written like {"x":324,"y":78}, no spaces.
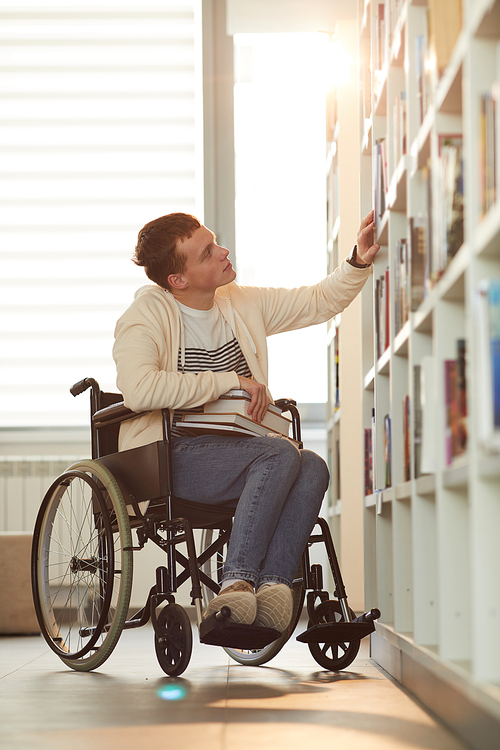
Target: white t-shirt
{"x":207,"y":343}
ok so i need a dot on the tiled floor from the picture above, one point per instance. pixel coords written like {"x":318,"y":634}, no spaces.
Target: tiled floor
{"x":216,"y":704}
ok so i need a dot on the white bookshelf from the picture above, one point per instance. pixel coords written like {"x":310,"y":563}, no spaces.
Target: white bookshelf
{"x":432,"y":551}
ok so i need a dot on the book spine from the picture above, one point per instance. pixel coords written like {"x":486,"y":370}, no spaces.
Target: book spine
{"x":387,"y":450}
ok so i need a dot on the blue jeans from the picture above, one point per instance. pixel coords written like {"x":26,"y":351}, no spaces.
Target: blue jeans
{"x":277,"y":491}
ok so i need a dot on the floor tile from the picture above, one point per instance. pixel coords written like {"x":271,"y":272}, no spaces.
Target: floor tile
{"x":218,"y":704}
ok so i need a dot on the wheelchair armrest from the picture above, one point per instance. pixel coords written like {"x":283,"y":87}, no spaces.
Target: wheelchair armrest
{"x":114,"y":413}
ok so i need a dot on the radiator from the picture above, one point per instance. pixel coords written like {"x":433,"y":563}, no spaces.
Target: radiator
{"x":24,"y":480}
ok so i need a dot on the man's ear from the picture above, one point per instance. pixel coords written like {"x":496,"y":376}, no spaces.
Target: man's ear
{"x":177,"y":281}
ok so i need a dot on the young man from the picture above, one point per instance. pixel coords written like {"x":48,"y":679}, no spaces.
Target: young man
{"x":191,"y":337}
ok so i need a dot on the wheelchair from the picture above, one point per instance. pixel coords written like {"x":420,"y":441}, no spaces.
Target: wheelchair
{"x":82,"y":560}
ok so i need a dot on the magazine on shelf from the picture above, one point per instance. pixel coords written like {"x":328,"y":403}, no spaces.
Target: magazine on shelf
{"x":488,"y":342}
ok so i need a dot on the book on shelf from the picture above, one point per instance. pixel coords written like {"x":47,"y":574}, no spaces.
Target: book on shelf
{"x":399,"y":121}
{"x":455,"y":389}
{"x":379,"y":49}
{"x":406,"y":440}
{"x":430,"y":273}
{"x":387,"y":451}
{"x":488,"y":365}
{"x":462,"y":409}
{"x":450,"y":199}
{"x":382,"y":316}
{"x":381,"y":179}
{"x":451,"y":415}
{"x":366,"y":76}
{"x":394,"y":10}
{"x":418,"y":256}
{"x":423,"y":68}
{"x":336,"y":370}
{"x":487,"y":148}
{"x":445,"y":25}
{"x":401,"y":284}
{"x":417,"y":421}
{"x":368,"y":445}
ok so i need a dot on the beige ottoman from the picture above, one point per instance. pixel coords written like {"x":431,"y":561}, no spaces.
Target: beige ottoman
{"x":17,"y":611}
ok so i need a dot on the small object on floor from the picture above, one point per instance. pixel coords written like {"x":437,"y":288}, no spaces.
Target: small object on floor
{"x":241,"y":600}
{"x":274,"y":606}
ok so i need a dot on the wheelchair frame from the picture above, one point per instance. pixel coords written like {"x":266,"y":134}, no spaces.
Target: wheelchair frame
{"x":84,"y":569}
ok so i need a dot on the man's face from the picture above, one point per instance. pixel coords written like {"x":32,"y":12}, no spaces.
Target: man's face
{"x":207,"y":263}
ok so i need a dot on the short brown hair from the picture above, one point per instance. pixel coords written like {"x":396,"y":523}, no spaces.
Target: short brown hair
{"x":157,"y":249}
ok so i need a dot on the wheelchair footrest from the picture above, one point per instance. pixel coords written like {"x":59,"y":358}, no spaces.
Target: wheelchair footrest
{"x":336,"y":632}
{"x":231,"y":635}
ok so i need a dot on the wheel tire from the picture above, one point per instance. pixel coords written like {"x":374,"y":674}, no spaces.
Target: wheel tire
{"x":173,"y":639}
{"x":82,"y":565}
{"x":332,"y":656}
{"x":250,"y":657}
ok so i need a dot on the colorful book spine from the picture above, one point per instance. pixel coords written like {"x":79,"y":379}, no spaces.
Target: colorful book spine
{"x":368,"y":461}
{"x":418,"y":260}
{"x":406,"y":439}
{"x":488,"y":348}
{"x":387,"y":451}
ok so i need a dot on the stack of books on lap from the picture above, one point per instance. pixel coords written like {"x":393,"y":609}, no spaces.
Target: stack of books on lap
{"x":228,"y":414}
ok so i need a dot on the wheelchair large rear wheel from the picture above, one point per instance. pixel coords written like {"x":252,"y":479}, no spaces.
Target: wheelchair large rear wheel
{"x":250,"y":657}
{"x":82,"y":565}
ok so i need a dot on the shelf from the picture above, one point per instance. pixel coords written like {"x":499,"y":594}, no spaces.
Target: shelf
{"x":423,"y":317}
{"x":397,"y":52}
{"x":487,"y":233}
{"x":366,"y":146}
{"x":403,"y":491}
{"x":456,"y":476}
{"x":401,"y":340}
{"x":426,"y":536}
{"x":397,"y":193}
{"x":383,"y":229}
{"x":368,"y":379}
{"x":365,"y":25}
{"x":489,"y":467}
{"x":452,"y":284}
{"x":449,"y":90}
{"x":380,"y":105}
{"x":486,"y":22}
{"x":425,"y":485}
{"x":384,"y":363}
{"x":421,"y":146}
{"x":370,"y":501}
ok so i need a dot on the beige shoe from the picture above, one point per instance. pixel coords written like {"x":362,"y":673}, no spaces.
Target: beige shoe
{"x":241,"y":600}
{"x":274,"y":606}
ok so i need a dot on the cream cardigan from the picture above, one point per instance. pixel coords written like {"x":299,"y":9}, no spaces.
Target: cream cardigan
{"x":148,"y":336}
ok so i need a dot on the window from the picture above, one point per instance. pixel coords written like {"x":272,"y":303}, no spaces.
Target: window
{"x":280,"y":188}
{"x":100,"y":132}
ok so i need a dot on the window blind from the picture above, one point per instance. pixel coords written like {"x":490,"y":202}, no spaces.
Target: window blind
{"x":100,"y":132}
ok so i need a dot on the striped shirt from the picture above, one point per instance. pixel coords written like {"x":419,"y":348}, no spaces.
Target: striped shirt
{"x":207,"y":343}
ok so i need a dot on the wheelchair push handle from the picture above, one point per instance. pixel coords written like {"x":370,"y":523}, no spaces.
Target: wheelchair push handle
{"x":82,"y":386}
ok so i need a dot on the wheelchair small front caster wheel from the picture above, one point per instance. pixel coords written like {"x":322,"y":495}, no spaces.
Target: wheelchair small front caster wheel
{"x":173,"y":639}
{"x":332,"y":656}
